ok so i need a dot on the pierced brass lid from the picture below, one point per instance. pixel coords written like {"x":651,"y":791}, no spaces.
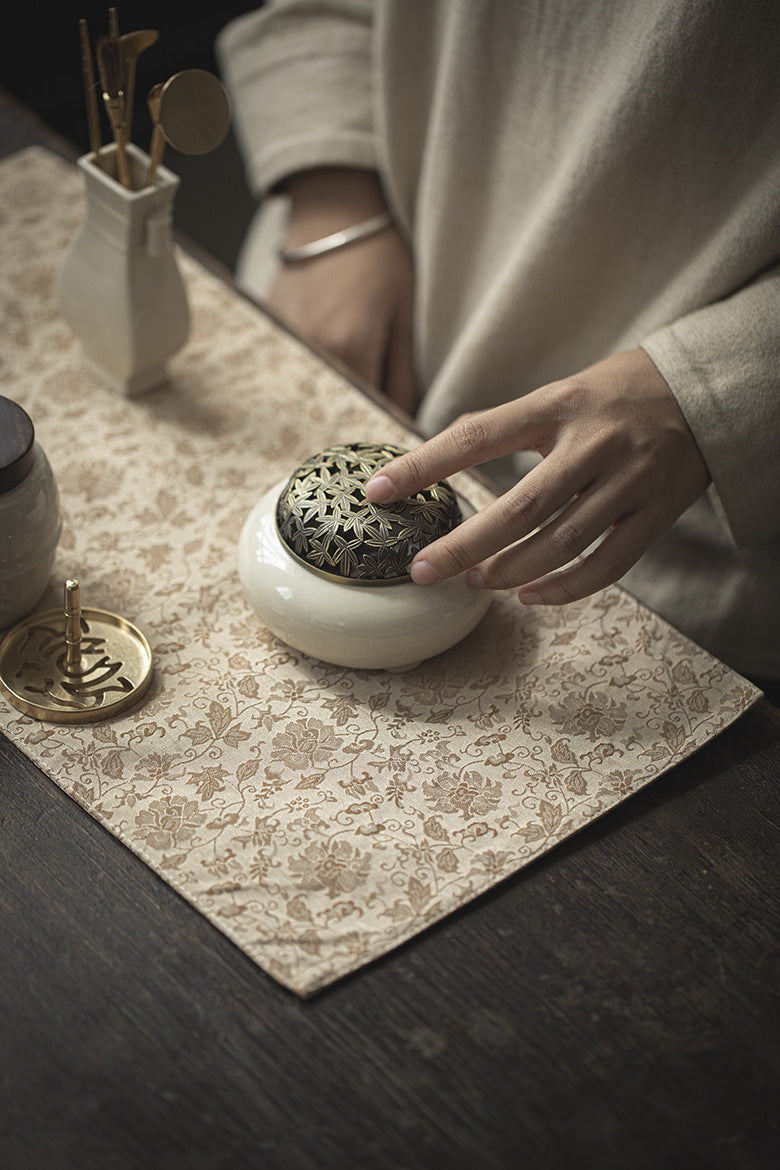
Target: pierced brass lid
{"x":325,"y":520}
{"x":74,"y":665}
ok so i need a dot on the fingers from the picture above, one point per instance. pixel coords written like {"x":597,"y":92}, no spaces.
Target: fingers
{"x":472,"y":439}
{"x":565,"y":536}
{"x":356,"y":305}
{"x":542,"y":525}
{"x":302,"y":298}
{"x":621,"y":548}
{"x":501,"y":525}
{"x":618,"y":458}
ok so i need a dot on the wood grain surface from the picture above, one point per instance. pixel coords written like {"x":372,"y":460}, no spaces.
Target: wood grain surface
{"x":616,"y":1004}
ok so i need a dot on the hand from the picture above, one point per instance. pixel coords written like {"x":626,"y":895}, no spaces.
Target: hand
{"x":618,"y":458}
{"x":354,"y":302}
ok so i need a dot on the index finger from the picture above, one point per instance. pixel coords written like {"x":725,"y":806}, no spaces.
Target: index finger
{"x":470,"y":440}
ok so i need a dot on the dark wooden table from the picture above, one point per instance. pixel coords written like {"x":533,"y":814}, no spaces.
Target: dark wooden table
{"x":615,"y":1005}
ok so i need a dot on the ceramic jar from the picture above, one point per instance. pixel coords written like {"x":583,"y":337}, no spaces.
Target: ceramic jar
{"x":120,"y":287}
{"x":328,"y":572}
{"x":30,"y":522}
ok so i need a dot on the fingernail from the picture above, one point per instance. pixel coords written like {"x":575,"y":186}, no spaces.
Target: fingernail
{"x":423,"y":573}
{"x":475,"y":579}
{"x":379,"y":489}
{"x":531,"y":598}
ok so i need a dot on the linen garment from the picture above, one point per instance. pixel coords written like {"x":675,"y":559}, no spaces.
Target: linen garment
{"x":573,"y":180}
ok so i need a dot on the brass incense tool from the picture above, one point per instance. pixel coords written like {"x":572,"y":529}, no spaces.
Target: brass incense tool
{"x":131,"y":45}
{"x":74,"y":665}
{"x":110,"y":66}
{"x":157,"y":145}
{"x":90,"y":93}
{"x":194,"y":111}
{"x":191,"y":112}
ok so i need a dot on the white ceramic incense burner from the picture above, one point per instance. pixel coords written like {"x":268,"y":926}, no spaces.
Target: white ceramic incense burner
{"x":328,"y":572}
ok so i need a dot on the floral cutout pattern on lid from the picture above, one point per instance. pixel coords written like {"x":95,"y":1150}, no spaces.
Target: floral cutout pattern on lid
{"x":326,"y":521}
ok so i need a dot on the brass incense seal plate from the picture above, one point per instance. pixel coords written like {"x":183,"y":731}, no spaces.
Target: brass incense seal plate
{"x":325,"y":520}
{"x":74,"y":665}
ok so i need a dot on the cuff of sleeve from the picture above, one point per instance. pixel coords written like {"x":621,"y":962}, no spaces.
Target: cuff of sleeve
{"x":267,"y":167}
{"x":720,"y":368}
{"x":294,"y":109}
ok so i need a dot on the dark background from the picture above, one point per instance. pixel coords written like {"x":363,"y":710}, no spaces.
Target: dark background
{"x":41,"y":66}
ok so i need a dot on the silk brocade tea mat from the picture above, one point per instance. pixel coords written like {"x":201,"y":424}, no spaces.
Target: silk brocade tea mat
{"x":318,"y":816}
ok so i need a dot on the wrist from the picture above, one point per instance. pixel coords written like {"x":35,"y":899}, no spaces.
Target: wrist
{"x":329,"y":199}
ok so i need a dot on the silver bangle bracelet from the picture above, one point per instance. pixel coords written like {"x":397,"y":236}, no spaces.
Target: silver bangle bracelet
{"x":358,"y":231}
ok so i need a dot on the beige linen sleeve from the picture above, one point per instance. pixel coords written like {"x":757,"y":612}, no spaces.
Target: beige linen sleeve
{"x":722,"y":363}
{"x":299,"y":75}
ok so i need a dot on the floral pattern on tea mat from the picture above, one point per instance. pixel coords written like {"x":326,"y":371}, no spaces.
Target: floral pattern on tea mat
{"x":317,"y":816}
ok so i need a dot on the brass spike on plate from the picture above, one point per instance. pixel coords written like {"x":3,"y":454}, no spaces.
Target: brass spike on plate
{"x":74,"y":665}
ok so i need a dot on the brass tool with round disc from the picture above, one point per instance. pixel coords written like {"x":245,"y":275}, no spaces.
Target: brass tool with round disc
{"x":194,"y":111}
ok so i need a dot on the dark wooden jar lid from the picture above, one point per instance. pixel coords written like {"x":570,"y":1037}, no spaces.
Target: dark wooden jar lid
{"x":17,"y":436}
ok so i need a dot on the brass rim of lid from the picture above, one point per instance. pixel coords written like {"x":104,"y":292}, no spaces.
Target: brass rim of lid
{"x":327,"y":524}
